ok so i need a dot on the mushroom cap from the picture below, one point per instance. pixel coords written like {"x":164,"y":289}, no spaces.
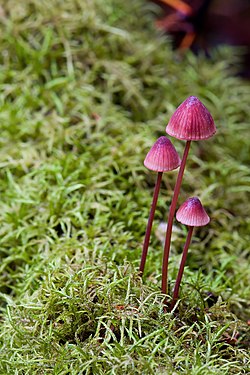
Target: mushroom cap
{"x":191,"y":121}
{"x":192,"y":213}
{"x":162,"y":156}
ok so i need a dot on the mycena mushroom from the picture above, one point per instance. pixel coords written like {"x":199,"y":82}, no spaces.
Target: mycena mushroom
{"x":190,"y":213}
{"x":162,"y":157}
{"x":191,"y":122}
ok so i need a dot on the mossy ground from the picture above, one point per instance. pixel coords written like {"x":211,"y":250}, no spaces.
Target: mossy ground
{"x":86,"y":88}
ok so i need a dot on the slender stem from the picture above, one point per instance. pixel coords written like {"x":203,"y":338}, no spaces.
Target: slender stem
{"x":181,"y":269}
{"x":171,"y":219}
{"x":150,"y":222}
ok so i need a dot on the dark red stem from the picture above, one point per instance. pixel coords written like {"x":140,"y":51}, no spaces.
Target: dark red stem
{"x":171,"y":219}
{"x":150,"y":223}
{"x":181,"y":269}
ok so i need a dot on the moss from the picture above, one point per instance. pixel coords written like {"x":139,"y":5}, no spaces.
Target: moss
{"x":86,"y":88}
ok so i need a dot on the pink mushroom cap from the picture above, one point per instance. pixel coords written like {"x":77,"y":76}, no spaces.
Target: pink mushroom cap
{"x":192,"y":213}
{"x":162,"y":156}
{"x":191,"y":121}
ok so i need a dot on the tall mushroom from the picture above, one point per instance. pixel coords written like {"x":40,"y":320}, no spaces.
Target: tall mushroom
{"x":162,"y":157}
{"x":190,"y":213}
{"x":191,"y":122}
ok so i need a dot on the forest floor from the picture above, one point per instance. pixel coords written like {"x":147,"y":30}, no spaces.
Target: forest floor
{"x":86,"y":88}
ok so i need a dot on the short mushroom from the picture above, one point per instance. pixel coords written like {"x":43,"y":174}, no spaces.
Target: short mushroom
{"x":191,"y":122}
{"x":162,"y":157}
{"x":190,"y":213}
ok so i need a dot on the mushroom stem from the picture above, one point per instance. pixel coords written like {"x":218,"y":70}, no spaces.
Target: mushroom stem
{"x":181,"y":269}
{"x":150,"y":223}
{"x":171,"y":219}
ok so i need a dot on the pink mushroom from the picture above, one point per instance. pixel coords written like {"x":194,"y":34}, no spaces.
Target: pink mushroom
{"x":191,"y":122}
{"x":190,"y":213}
{"x":162,"y":157}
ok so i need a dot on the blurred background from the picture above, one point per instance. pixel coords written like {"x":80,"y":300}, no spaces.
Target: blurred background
{"x":203,"y":24}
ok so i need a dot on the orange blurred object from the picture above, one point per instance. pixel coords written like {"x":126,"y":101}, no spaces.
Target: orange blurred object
{"x":201,"y":24}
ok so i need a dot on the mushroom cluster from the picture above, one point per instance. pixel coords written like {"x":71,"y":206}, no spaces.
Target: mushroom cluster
{"x":190,"y":122}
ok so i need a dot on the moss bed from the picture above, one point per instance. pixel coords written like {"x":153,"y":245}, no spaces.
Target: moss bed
{"x":86,"y":87}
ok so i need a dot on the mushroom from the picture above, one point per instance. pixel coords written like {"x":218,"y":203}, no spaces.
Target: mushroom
{"x":191,"y":122}
{"x":190,"y":213}
{"x":162,"y":157}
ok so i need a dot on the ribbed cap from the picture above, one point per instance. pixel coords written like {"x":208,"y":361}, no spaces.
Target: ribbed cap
{"x":162,"y":156}
{"x":191,"y":121}
{"x":192,"y":213}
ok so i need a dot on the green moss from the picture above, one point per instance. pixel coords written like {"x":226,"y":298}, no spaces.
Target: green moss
{"x":86,"y":88}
